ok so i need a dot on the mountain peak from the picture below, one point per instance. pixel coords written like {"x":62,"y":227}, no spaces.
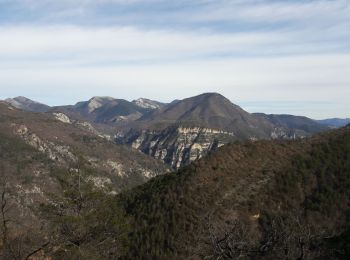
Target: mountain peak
{"x":22,"y":98}
{"x":27,"y":104}
{"x":211,"y":110}
{"x":101,"y":98}
{"x":211,"y":100}
{"x":97,"y":102}
{"x":211,"y":94}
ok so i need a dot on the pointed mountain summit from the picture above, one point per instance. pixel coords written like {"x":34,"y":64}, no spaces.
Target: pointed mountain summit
{"x":93,"y":104}
{"x":27,"y":104}
{"x":209,"y":110}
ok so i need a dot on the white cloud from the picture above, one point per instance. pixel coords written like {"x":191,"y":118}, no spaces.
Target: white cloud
{"x":274,"y":11}
{"x":317,"y":13}
{"x":248,"y":50}
{"x":114,"y":44}
{"x":73,"y":45}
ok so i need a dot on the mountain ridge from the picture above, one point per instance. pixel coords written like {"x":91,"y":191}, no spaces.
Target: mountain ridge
{"x":335,"y":122}
{"x":185,"y":130}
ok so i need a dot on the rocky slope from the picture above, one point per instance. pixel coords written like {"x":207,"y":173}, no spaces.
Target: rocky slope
{"x":147,"y":103}
{"x":65,"y":141}
{"x":37,"y":148}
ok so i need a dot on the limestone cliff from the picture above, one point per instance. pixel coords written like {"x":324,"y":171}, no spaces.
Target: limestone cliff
{"x":177,"y":146}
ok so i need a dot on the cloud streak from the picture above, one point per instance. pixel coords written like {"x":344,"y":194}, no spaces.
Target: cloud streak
{"x":284,"y":79}
{"x":251,"y":50}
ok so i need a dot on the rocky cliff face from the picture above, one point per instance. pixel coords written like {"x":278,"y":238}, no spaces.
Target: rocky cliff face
{"x":177,"y":145}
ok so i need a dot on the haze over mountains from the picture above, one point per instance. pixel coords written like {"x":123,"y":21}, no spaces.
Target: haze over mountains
{"x":335,"y":122}
{"x":184,"y":130}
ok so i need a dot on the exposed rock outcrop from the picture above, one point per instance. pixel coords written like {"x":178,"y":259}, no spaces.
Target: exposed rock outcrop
{"x":62,"y":117}
{"x":147,"y":103}
{"x":54,"y":151}
{"x":177,"y":146}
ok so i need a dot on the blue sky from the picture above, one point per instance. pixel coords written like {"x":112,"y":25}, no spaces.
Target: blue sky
{"x":274,"y":56}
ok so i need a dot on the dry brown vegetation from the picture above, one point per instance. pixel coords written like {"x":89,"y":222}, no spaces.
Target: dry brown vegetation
{"x":252,"y":200}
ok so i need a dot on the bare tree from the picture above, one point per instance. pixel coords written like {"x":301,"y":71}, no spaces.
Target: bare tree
{"x":3,"y":213}
{"x":232,"y":243}
{"x":16,"y":241}
{"x":4,"y":208}
{"x":282,"y":239}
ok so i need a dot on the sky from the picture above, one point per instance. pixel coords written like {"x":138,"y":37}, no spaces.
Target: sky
{"x":272,"y":56}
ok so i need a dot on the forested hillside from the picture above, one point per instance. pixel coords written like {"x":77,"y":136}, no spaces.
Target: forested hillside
{"x":273,"y":200}
{"x":252,"y":200}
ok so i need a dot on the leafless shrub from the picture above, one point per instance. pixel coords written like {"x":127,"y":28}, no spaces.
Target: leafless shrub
{"x":282,"y":239}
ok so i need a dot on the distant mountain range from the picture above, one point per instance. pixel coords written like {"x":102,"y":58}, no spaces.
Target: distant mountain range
{"x":183,"y":130}
{"x":106,"y":110}
{"x":335,"y":122}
